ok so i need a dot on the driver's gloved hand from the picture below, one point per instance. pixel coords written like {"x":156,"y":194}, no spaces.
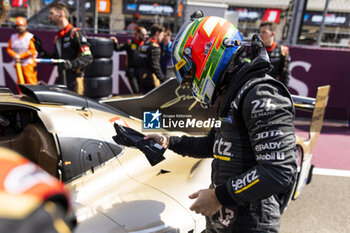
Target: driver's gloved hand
{"x":126,"y":136}
{"x":131,"y":138}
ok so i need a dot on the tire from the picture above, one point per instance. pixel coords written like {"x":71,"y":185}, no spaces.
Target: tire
{"x":101,"y":47}
{"x":98,"y":87}
{"x":99,"y":67}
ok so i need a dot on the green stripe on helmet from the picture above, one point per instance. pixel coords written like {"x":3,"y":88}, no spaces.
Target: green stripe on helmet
{"x":191,"y":31}
{"x":211,"y":65}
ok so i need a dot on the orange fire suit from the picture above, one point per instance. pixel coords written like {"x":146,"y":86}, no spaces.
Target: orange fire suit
{"x":23,"y":45}
{"x":30,"y":199}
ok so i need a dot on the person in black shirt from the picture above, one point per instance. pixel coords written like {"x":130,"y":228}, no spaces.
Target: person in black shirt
{"x":71,"y":45}
{"x":151,"y":74}
{"x":132,"y":48}
{"x":279,"y":54}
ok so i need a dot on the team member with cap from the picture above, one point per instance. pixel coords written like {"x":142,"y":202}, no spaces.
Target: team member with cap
{"x":22,"y":49}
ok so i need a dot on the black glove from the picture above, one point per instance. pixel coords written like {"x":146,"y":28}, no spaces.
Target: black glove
{"x":67,"y":65}
{"x":131,"y":138}
{"x":126,"y":136}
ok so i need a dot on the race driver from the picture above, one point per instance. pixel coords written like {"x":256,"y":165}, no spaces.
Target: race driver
{"x":71,"y":45}
{"x":254,"y":166}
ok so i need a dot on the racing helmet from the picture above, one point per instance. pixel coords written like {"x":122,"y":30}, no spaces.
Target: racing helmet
{"x":20,"y":21}
{"x":201,"y":49}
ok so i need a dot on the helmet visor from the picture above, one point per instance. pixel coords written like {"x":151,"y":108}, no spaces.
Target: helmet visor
{"x":185,"y":71}
{"x":183,"y":64}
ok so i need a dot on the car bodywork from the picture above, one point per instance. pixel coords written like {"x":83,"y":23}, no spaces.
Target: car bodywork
{"x":306,"y":145}
{"x":114,"y":188}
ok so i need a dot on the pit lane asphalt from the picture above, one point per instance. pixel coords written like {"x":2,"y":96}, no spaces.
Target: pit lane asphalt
{"x":324,"y":205}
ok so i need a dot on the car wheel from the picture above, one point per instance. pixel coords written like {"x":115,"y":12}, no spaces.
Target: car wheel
{"x":98,"y":87}
{"x":101,"y":47}
{"x":99,"y":67}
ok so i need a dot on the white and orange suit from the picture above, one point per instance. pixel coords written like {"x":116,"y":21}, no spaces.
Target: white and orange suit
{"x":24,"y":46}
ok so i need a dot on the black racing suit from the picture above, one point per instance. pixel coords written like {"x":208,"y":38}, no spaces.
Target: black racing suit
{"x":150,"y":72}
{"x":254,"y":165}
{"x":71,"y":44}
{"x":280,"y":59}
{"x":132,"y":48}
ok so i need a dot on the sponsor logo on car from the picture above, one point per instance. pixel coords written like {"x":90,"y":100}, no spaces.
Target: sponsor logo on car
{"x":118,"y":121}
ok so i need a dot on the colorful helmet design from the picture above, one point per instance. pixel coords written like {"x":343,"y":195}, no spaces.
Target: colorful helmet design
{"x":199,"y":54}
{"x":20,"y":21}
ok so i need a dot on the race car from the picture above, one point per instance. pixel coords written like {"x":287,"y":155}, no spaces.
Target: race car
{"x":115,"y":188}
